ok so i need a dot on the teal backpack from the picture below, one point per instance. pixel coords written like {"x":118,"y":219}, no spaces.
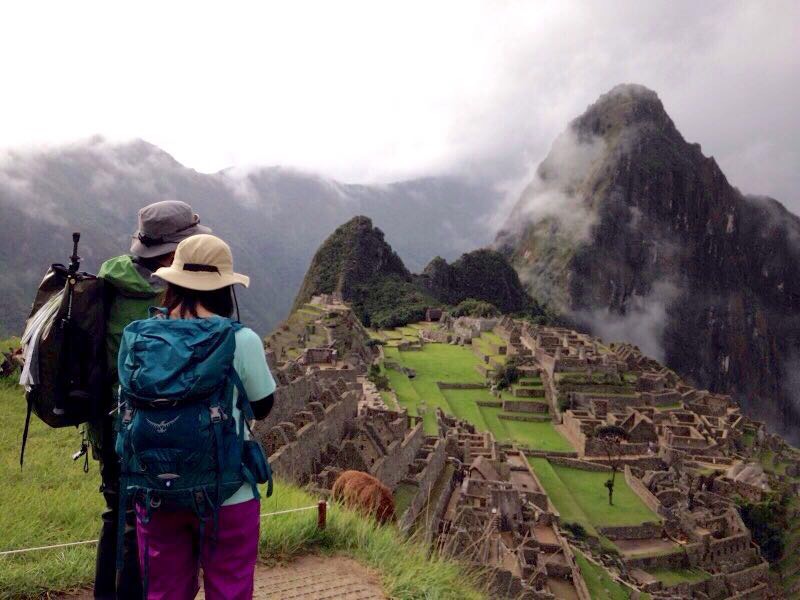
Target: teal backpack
{"x":179,"y":445}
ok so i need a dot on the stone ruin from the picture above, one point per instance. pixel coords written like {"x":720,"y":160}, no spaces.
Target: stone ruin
{"x":479,"y":500}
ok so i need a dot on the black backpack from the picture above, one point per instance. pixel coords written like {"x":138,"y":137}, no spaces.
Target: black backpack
{"x":64,"y":348}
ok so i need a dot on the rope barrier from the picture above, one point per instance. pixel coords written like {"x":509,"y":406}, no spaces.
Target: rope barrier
{"x":321,"y":507}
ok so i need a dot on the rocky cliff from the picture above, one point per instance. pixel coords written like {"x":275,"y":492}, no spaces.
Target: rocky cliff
{"x":630,"y":230}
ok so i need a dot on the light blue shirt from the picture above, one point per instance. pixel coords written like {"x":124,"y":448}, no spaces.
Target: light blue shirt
{"x":251,"y":365}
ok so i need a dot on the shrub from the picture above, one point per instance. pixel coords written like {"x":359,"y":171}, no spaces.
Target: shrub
{"x":577,"y":530}
{"x":766,"y":521}
{"x":380,"y":380}
{"x":474,"y":308}
{"x":508,"y":374}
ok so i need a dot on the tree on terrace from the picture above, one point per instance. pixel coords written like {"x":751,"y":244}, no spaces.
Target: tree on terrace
{"x":611,"y":438}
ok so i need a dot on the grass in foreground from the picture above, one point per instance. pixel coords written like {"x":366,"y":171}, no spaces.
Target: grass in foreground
{"x":53,"y":501}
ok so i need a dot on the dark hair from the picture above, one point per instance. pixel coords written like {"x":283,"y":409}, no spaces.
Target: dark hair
{"x":219,"y":302}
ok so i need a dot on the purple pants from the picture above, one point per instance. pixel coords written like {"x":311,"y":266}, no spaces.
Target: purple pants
{"x":171,"y":564}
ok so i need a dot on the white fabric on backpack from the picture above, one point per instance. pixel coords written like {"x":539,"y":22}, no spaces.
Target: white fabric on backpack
{"x":30,"y":340}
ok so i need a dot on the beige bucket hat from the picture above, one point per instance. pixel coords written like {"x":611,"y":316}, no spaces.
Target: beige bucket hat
{"x":202,"y":262}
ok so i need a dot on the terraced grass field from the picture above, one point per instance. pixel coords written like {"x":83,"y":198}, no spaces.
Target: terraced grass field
{"x":581,"y":497}
{"x":673,"y":577}
{"x":600,"y":584}
{"x":456,"y":364}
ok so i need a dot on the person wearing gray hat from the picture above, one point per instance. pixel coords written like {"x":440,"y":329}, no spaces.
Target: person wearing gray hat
{"x":133,"y":289}
{"x":162,"y":226}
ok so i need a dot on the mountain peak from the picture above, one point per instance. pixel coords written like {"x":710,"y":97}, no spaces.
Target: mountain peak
{"x":625,"y":105}
{"x":354,"y":255}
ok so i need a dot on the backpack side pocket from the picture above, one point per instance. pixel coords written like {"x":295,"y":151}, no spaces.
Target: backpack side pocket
{"x":255,"y":460}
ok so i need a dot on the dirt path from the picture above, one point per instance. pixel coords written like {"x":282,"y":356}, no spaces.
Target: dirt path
{"x":307,"y":578}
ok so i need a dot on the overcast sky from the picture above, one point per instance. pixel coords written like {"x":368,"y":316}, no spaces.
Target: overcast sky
{"x":376,"y":91}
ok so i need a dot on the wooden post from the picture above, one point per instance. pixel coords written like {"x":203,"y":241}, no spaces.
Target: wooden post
{"x":322,"y":512}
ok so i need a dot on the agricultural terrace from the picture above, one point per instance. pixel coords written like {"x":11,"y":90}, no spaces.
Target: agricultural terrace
{"x":599,"y":582}
{"x":298,"y":332}
{"x":581,"y":497}
{"x":432,"y":363}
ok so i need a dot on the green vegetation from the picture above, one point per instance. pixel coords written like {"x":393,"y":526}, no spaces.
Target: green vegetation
{"x":474,"y":308}
{"x":482,"y":275}
{"x":377,"y":377}
{"x":581,"y":497}
{"x":53,"y":501}
{"x":456,"y":364}
{"x":284,"y":340}
{"x":434,"y":362}
{"x":507,"y":375}
{"x":403,"y":495}
{"x":390,"y":301}
{"x":767,"y":521}
{"x":673,"y":577}
{"x":599,"y":582}
{"x":50,"y":501}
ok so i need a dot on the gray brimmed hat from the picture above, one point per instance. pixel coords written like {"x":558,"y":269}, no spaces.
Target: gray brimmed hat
{"x":162,"y":226}
{"x":204,"y":263}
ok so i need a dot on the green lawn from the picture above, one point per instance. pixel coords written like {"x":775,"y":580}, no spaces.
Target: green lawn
{"x":673,"y":577}
{"x":435,"y":362}
{"x":53,"y":501}
{"x":455,"y":364}
{"x":599,"y":582}
{"x":50,"y":501}
{"x":581,"y":497}
{"x":538,"y":435}
{"x":463,"y":405}
{"x":485,"y":344}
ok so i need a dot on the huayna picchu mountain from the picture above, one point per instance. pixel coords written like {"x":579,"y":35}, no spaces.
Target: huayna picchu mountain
{"x":357,"y":263}
{"x":630,"y":230}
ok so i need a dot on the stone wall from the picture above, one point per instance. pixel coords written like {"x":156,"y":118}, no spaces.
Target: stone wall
{"x":525,"y":406}
{"x":393,"y":467}
{"x":297,"y":459}
{"x":425,"y":479}
{"x":645,"y":531}
{"x":439,"y":509}
{"x":722,"y":549}
{"x":644,"y":494}
{"x":532,"y":418}
{"x":594,"y":447}
{"x":583,"y":465}
{"x":289,"y":399}
{"x":677,"y":560}
{"x":445,"y":385}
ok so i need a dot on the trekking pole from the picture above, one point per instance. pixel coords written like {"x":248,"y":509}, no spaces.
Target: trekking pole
{"x":66,"y":322}
{"x":75,"y":260}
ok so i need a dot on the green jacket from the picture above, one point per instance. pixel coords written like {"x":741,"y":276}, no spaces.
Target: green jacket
{"x":132,"y":296}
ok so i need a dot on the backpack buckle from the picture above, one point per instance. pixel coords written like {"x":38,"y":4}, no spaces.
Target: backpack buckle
{"x":216,"y":414}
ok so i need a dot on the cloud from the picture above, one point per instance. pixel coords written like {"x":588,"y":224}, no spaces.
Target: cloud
{"x":556,"y":189}
{"x":375,"y":92}
{"x":642,"y":323}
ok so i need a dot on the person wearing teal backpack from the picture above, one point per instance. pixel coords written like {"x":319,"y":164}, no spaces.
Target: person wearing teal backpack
{"x":131,"y":289}
{"x":191,"y":379}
